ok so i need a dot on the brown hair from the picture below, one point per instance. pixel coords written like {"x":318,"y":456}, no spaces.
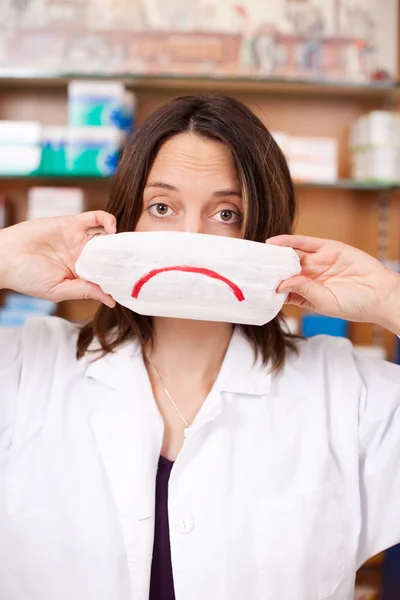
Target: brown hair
{"x":268,"y":199}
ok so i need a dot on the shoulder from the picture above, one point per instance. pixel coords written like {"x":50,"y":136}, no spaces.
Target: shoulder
{"x":335,"y":362}
{"x":42,"y":337}
{"x":48,"y":359}
{"x":48,"y":336}
{"x":47,"y":348}
{"x":34,"y":359}
{"x":321,"y":363}
{"x":322,"y":348}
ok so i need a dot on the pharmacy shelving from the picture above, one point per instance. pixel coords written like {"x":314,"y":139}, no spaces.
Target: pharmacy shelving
{"x":347,"y":210}
{"x":242,"y":85}
{"x":340,"y":184}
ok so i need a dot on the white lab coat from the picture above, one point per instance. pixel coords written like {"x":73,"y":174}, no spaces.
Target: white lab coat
{"x":284,"y":487}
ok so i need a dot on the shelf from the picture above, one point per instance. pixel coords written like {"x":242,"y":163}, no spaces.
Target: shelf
{"x":55,"y":178}
{"x":341,"y":184}
{"x":212,"y":83}
{"x":349,"y":184}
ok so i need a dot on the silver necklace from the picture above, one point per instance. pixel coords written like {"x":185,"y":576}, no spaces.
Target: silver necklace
{"x":188,"y":427}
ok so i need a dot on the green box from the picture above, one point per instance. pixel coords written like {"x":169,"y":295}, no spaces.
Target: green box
{"x":85,"y":151}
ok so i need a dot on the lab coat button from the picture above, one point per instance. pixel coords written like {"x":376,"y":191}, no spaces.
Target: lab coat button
{"x":185,"y":525}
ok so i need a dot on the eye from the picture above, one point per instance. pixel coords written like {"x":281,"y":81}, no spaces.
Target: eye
{"x":159,"y":210}
{"x":228,"y":216}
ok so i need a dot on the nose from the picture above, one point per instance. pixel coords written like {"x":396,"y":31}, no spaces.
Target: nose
{"x":194,"y":223}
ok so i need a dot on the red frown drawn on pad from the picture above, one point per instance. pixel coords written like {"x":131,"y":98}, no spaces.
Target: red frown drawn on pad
{"x":207,"y":272}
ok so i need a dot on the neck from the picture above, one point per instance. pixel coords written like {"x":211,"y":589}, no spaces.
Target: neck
{"x":192,"y":348}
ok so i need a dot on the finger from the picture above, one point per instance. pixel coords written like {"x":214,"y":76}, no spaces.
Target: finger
{"x":79,"y":289}
{"x":93,"y":231}
{"x":98,"y":218}
{"x":302,"y":286}
{"x":298,"y":242}
{"x":297,"y":300}
{"x":301,"y":253}
{"x":289,"y":285}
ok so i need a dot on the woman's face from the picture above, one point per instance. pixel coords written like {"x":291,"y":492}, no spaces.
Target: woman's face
{"x":193,"y":186}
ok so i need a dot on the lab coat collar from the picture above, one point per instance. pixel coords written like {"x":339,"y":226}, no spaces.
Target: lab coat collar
{"x":107,"y":369}
{"x":240,"y":372}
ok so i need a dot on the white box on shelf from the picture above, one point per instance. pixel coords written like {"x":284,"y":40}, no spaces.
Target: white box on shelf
{"x":20,"y":147}
{"x":20,"y":132}
{"x":101,"y":103}
{"x":93,"y":150}
{"x":281,"y":139}
{"x":375,"y":147}
{"x":89,"y":150}
{"x":19,"y":160}
{"x":324,"y":148}
{"x":358,"y":132}
{"x":376,"y":128}
{"x":313,"y":158}
{"x":360,"y":167}
{"x":54,"y":202}
{"x":376,"y":163}
{"x":310,"y":171}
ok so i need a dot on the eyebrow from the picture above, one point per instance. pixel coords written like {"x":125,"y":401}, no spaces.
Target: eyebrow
{"x":224,"y":193}
{"x":162,"y":185}
{"x":172,"y":188}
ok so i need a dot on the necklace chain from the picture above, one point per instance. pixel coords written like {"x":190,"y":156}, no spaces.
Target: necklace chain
{"x":186,"y":431}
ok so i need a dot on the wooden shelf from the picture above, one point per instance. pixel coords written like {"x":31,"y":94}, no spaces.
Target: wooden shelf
{"x":242,"y":85}
{"x":55,"y":178}
{"x":350,"y":184}
{"x":340,"y":184}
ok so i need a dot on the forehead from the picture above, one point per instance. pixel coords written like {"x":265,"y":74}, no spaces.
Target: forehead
{"x":187,"y":152}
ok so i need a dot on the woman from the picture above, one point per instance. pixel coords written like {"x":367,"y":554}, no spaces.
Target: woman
{"x":289,"y":479}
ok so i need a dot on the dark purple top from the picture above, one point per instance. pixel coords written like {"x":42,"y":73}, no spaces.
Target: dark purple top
{"x":161,"y":581}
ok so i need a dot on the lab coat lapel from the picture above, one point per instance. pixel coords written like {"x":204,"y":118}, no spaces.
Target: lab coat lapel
{"x":129,"y":438}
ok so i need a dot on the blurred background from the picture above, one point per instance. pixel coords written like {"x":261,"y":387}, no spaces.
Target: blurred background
{"x":78,"y":76}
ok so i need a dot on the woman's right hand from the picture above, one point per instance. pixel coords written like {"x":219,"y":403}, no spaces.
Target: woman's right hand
{"x":38,"y":257}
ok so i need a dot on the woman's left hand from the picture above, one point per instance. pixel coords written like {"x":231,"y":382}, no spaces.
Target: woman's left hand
{"x":342,"y":281}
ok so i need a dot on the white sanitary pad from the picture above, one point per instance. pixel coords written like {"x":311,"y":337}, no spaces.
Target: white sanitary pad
{"x":189,"y":275}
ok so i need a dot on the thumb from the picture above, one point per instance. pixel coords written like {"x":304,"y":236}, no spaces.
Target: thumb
{"x":302,"y":286}
{"x":79,"y":289}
